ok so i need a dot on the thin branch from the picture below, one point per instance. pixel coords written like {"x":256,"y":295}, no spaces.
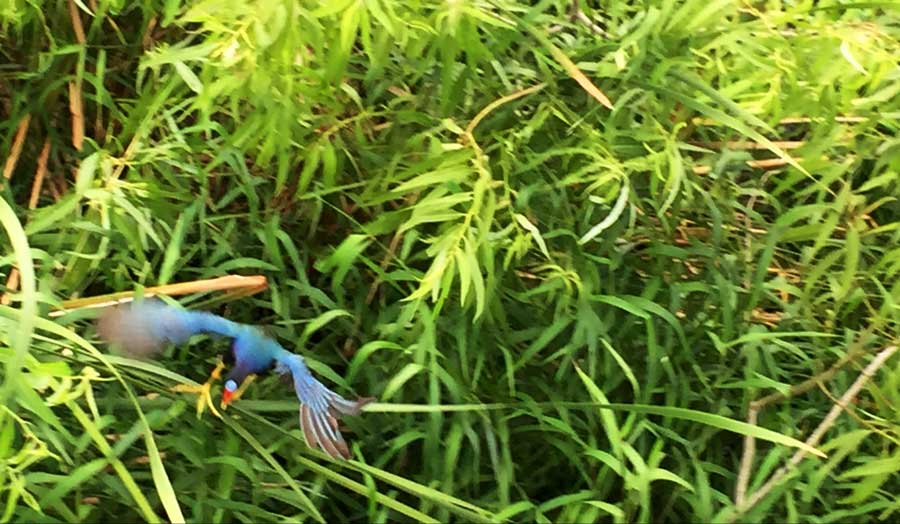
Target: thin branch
{"x":817,"y":434}
{"x":586,"y":20}
{"x":756,"y":406}
{"x":703,"y":121}
{"x":765,"y":163}
{"x":806,"y":120}
{"x":743,"y":478}
{"x":809,"y":383}
{"x":499,"y":102}
{"x":392,"y":250}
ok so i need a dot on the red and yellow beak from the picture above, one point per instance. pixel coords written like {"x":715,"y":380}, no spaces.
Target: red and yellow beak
{"x":227,"y":397}
{"x":232,"y":391}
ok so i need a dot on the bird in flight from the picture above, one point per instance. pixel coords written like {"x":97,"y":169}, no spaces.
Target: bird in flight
{"x":144,"y":328}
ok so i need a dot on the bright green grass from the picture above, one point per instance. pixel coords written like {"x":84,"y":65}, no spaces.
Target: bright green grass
{"x":450,"y":222}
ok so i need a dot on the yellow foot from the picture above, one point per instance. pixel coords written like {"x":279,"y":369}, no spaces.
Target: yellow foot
{"x":204,"y":399}
{"x":240,"y":391}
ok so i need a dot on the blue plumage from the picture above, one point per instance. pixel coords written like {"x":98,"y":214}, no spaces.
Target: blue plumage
{"x":146,"y":327}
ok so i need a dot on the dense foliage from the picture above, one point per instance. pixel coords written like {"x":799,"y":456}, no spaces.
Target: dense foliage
{"x":450,"y":218}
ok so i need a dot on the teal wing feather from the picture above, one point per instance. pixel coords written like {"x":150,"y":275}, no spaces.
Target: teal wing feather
{"x":320,"y":407}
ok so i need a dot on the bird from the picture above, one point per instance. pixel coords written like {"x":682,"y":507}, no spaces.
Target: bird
{"x":146,"y":327}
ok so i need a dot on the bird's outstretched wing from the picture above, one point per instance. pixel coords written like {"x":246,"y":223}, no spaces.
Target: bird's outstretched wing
{"x":320,"y":407}
{"x":144,"y":328}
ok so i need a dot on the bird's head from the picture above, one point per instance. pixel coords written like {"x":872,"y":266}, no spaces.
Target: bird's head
{"x":228,"y":392}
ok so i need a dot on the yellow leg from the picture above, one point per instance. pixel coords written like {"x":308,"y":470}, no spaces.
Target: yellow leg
{"x":239,"y":391}
{"x":204,"y":399}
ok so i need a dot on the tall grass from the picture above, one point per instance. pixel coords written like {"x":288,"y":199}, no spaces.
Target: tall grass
{"x":600,"y":262}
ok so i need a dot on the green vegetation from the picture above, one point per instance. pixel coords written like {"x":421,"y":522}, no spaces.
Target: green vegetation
{"x":451,"y":219}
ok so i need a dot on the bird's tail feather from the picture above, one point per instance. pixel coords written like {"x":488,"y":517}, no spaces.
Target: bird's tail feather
{"x":320,"y":409}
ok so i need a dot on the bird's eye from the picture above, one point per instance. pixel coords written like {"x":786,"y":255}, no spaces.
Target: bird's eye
{"x":231,"y":385}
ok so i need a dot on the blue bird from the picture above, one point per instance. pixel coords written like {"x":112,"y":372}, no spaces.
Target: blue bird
{"x":146,"y":327}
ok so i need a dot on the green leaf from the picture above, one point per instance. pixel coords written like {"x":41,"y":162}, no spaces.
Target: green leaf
{"x":717,"y":421}
{"x":341,"y":260}
{"x":189,"y":77}
{"x":535,"y":233}
{"x":610,"y":425}
{"x":160,"y":478}
{"x":399,"y":379}
{"x":21,"y":336}
{"x":881,"y":466}
{"x":127,"y":479}
{"x":87,"y":170}
{"x":611,"y":218}
{"x":851,"y":262}
{"x":173,"y":250}
{"x":278,"y":468}
{"x":320,"y":321}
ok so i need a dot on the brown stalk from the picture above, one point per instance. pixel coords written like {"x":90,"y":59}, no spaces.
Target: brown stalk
{"x":76,"y":110}
{"x":39,"y":175}
{"x":147,"y":41}
{"x":76,"y":23}
{"x":746,"y":144}
{"x":766,"y":163}
{"x":12,"y":283}
{"x":248,"y":284}
{"x":16,"y":149}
